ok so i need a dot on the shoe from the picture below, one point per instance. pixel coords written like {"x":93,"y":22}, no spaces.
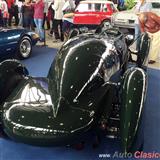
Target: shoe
{"x":42,"y":45}
{"x":50,"y":34}
{"x":56,"y":40}
{"x":41,"y":40}
{"x":152,"y":62}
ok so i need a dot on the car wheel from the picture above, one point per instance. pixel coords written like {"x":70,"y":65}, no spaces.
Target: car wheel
{"x":106,"y":23}
{"x":24,"y":48}
{"x":103,"y":26}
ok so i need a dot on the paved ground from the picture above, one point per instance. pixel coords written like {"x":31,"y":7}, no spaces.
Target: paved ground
{"x":57,"y":45}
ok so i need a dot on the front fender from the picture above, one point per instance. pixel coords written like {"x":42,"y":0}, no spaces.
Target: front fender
{"x":132,"y":102}
{"x":11,"y":72}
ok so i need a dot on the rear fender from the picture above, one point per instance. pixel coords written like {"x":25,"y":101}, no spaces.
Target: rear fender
{"x":132,"y":102}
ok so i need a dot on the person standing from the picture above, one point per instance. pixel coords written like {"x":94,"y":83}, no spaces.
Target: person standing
{"x":68,"y":10}
{"x":45,"y":20}
{"x":27,"y":12}
{"x":120,"y":5}
{"x":1,"y":17}
{"x":51,"y":17}
{"x":39,"y":17}
{"x":141,"y":6}
{"x":150,"y":22}
{"x":5,"y":14}
{"x":58,"y":15}
{"x":10,"y":4}
{"x":19,"y":4}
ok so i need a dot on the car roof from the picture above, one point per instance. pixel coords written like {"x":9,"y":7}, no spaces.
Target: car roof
{"x":96,"y":1}
{"x":152,"y":1}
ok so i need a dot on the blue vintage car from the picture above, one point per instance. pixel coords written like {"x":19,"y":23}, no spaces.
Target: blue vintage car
{"x":17,"y":42}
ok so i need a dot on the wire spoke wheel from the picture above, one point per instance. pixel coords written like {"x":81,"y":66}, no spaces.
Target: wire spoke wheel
{"x":24,"y":48}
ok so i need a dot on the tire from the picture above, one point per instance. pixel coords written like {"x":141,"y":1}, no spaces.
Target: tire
{"x":106,"y":23}
{"x":24,"y":48}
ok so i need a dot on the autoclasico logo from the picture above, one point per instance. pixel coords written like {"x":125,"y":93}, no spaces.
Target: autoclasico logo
{"x":137,"y":154}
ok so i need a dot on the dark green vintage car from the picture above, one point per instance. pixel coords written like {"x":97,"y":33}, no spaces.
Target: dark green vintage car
{"x":17,"y":42}
{"x":92,"y":84}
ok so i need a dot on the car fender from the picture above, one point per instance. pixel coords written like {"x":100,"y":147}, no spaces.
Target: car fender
{"x":132,"y":101}
{"x":12,"y":71}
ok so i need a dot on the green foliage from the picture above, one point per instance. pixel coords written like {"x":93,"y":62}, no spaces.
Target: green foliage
{"x":129,"y":4}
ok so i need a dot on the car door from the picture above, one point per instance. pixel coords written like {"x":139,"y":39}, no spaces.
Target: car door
{"x":107,"y":10}
{"x":85,"y":14}
{"x":97,"y":12}
{"x":8,"y":42}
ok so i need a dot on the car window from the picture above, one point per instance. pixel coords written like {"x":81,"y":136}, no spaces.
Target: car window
{"x":105,"y":9}
{"x":97,"y":6}
{"x":88,"y":7}
{"x":113,"y":7}
{"x":84,"y":7}
{"x":155,"y":5}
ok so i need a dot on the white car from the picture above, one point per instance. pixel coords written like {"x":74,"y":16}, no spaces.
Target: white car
{"x":126,"y":19}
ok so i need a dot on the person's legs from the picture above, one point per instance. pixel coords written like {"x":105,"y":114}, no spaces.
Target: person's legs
{"x":24,"y":22}
{"x":44,"y":20}
{"x":16,"y":18}
{"x":10,"y":16}
{"x":41,"y":30}
{"x":48,"y":24}
{"x":137,"y":36}
{"x":55,"y":28}
{"x":52,"y":27}
{"x":66,"y":27}
{"x":32,"y":23}
{"x":28,"y":23}
{"x":61,"y":30}
{"x":36,"y":23}
{"x":4,"y":22}
{"x":15,"y":14}
{"x":155,"y":45}
{"x":1,"y":20}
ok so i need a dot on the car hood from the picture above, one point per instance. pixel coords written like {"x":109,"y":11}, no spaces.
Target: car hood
{"x":125,"y":15}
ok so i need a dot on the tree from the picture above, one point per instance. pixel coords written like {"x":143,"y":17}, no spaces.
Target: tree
{"x":129,"y":4}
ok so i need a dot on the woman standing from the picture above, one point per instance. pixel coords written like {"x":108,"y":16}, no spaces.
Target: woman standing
{"x":39,"y":17}
{"x":27,"y":12}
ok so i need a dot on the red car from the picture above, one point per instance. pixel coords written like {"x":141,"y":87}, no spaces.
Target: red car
{"x":94,"y":12}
